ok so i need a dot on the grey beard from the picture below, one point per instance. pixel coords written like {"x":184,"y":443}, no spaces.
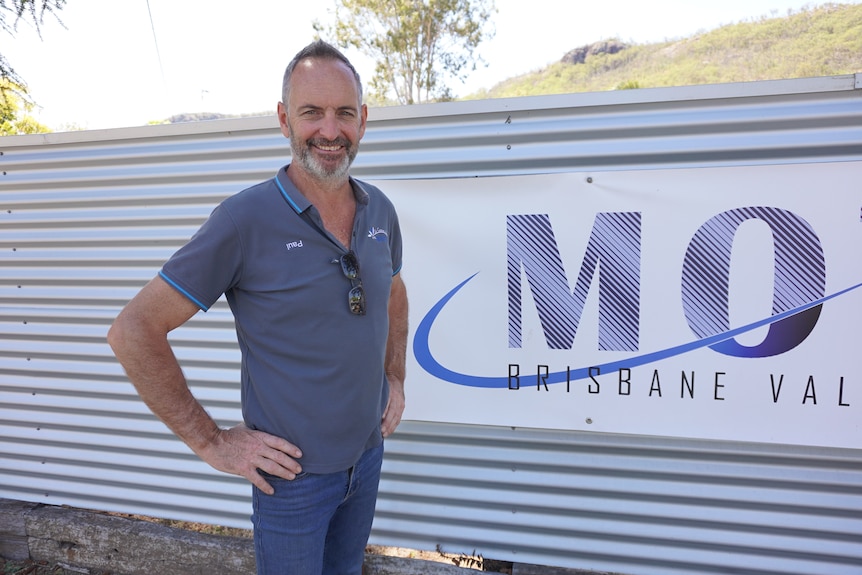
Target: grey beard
{"x":302,"y":154}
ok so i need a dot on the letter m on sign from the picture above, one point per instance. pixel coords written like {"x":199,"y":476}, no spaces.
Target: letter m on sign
{"x":613,"y":250}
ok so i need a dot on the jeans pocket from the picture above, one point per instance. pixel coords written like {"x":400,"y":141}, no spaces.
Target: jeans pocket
{"x":270,"y":478}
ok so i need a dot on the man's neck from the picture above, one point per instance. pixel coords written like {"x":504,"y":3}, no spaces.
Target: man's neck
{"x":321,"y":193}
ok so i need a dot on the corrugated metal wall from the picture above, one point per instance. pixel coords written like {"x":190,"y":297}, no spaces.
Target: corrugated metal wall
{"x":87,"y":218}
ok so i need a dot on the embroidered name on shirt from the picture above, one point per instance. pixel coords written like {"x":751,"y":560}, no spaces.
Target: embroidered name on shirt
{"x":378,"y":234}
{"x":291,"y":245}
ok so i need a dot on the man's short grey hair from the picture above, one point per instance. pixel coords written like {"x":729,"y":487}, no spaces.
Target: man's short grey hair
{"x":320,"y":50}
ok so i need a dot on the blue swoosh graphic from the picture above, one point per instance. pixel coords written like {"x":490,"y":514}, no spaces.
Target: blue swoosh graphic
{"x":422,"y":350}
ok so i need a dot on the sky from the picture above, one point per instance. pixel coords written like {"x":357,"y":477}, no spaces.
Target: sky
{"x":119,"y":63}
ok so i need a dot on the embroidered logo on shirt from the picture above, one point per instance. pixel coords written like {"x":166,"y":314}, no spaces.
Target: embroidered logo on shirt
{"x":291,"y":245}
{"x":378,"y":234}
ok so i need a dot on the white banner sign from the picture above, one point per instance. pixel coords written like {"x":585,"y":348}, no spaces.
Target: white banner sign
{"x":715,"y":303}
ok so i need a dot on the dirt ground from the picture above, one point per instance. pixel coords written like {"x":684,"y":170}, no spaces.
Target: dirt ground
{"x":30,"y":567}
{"x":476,"y":562}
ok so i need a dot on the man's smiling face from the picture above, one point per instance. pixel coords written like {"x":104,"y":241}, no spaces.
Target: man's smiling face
{"x":323,"y":118}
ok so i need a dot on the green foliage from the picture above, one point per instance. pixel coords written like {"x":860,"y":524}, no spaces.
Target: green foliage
{"x":415,"y":44}
{"x":628,"y":85}
{"x":819,"y":41}
{"x":14,"y":112}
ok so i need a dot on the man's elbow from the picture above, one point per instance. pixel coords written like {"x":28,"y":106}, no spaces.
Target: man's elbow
{"x":117,"y":334}
{"x":126,"y":332}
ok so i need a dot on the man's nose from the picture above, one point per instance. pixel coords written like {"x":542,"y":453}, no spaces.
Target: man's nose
{"x":329,"y":128}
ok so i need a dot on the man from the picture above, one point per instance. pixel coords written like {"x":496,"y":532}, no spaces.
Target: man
{"x":309,"y":262}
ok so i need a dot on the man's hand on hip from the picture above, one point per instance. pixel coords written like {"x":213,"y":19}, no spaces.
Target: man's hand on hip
{"x":243,"y":451}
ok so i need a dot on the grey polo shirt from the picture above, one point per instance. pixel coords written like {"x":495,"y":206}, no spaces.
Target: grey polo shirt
{"x":312,"y":372}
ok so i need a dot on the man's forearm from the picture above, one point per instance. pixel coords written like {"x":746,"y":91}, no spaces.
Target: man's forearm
{"x":396,"y":344}
{"x":139,"y":339}
{"x":154,"y":371}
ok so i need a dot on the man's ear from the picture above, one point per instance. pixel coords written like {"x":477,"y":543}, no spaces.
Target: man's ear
{"x":363,"y":119}
{"x":281,"y":111}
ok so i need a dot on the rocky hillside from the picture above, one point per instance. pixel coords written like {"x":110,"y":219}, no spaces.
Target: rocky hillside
{"x":819,"y":41}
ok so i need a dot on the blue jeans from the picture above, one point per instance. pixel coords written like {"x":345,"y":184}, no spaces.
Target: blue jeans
{"x":317,"y":524}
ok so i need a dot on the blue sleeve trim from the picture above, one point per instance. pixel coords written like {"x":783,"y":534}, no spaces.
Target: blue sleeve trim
{"x":174,"y":285}
{"x":396,"y":272}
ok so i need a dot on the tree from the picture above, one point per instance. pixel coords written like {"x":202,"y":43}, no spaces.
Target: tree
{"x":416,"y":44}
{"x":14,"y":112}
{"x":12,"y":12}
